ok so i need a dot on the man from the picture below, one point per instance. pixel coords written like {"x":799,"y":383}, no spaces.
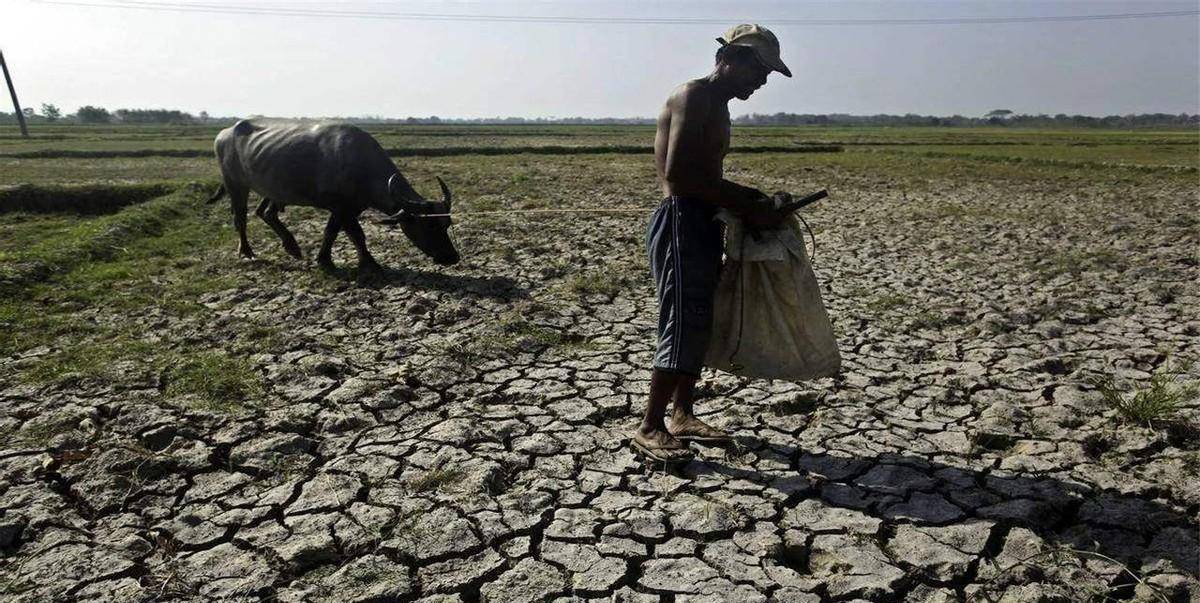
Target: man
{"x":685,"y":242}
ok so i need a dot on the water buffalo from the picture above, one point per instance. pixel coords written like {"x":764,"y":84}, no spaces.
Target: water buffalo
{"x":335,"y":167}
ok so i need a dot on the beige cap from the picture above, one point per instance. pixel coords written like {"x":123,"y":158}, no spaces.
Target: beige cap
{"x":761,"y":40}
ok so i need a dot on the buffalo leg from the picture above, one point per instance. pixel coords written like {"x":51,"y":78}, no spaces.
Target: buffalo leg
{"x":325,"y":256}
{"x":270,"y":214}
{"x":238,"y":197}
{"x":354,"y":230}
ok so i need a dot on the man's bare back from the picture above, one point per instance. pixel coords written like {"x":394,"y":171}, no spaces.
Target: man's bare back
{"x":705,"y":161}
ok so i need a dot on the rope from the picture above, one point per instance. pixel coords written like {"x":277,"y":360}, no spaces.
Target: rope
{"x":537,"y":211}
{"x":812,"y":257}
{"x":737,"y":346}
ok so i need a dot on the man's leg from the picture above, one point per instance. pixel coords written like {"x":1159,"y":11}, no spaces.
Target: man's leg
{"x":699,"y":242}
{"x":685,"y":393}
{"x":652,"y":433}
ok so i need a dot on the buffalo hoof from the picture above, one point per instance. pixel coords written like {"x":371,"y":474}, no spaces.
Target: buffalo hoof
{"x":371,"y":269}
{"x":246,"y":252}
{"x":294,"y":251}
{"x":326,"y":264}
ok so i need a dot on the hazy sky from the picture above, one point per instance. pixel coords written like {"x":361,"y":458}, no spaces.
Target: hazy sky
{"x":324,"y":66}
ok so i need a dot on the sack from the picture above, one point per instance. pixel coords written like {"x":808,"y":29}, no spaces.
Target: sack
{"x":768,"y":318}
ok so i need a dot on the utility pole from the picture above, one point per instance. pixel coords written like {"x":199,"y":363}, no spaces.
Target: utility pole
{"x":13,"y":92}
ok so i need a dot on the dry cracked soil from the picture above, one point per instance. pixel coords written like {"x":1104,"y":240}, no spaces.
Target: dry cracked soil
{"x":461,"y":435}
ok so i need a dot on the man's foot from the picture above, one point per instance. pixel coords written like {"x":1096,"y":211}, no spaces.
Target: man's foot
{"x":691,"y":429}
{"x":660,"y":446}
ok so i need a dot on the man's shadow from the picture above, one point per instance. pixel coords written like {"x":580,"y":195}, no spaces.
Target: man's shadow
{"x":903,"y":488}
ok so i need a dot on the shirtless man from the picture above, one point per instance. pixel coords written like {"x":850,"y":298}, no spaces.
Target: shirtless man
{"x":685,"y":242}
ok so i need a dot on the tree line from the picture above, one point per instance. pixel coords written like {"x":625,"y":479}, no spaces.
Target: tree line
{"x":89,"y":114}
{"x":998,"y":117}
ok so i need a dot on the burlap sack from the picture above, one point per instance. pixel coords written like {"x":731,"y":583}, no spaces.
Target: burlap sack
{"x":768,"y":319}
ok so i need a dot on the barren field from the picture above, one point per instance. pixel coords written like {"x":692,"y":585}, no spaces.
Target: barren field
{"x":1018,"y":315}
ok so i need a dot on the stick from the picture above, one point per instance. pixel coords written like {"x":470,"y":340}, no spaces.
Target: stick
{"x":809,"y":200}
{"x":13,"y":93}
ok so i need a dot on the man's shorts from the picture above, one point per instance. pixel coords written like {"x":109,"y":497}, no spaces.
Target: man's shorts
{"x":684,"y":241}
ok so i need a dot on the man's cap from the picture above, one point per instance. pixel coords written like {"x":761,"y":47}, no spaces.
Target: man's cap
{"x":759,"y":39}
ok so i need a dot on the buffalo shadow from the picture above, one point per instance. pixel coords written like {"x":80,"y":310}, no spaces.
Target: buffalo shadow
{"x":495,"y":287}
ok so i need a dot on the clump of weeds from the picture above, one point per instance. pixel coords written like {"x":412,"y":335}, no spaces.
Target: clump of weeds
{"x":1156,"y":406}
{"x":214,"y":381}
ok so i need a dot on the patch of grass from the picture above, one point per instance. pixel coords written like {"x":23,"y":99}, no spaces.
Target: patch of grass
{"x":214,"y":381}
{"x":91,"y":360}
{"x":1165,"y":293}
{"x":1159,"y":403}
{"x":466,"y":353}
{"x":932,"y":319}
{"x":1074,"y":262}
{"x":91,"y":239}
{"x":286,"y":466}
{"x":38,"y":433}
{"x":600,"y":282}
{"x":518,"y":327}
{"x":887,"y":301}
{"x":515,"y":331}
{"x":435,"y":480}
{"x":266,"y":339}
{"x":25,"y":324}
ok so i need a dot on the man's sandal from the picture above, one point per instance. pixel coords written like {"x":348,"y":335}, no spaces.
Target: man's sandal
{"x":656,"y":454}
{"x":707,"y":435}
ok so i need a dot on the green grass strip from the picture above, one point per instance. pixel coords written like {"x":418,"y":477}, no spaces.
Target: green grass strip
{"x":86,"y":200}
{"x":96,"y":239}
{"x":1041,"y":161}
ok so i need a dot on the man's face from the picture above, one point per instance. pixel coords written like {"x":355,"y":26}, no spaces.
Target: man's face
{"x":749,"y":74}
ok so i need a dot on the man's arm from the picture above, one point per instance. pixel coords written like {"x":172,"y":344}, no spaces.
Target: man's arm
{"x":686,"y":147}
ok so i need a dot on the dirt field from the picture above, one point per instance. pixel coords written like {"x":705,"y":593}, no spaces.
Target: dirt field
{"x":1018,"y":315}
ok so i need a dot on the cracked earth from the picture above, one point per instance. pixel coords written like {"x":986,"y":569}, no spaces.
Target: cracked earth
{"x":461,"y":435}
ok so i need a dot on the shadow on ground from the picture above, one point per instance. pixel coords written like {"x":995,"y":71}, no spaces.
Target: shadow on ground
{"x":1030,"y":521}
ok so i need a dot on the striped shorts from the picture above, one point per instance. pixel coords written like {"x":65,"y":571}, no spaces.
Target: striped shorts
{"x":684,"y":241}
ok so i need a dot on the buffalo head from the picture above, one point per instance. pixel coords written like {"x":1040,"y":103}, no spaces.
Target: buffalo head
{"x":425,"y":223}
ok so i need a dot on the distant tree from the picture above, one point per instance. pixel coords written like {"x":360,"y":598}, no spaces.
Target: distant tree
{"x":151,"y":116}
{"x":204,"y":117}
{"x":51,"y":112}
{"x":93,"y":115}
{"x":28,"y":111}
{"x":1000,"y":113}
